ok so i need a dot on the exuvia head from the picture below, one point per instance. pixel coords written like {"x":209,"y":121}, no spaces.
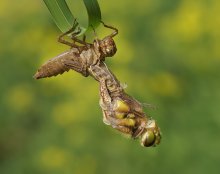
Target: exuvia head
{"x":151,"y":135}
{"x":107,"y":47}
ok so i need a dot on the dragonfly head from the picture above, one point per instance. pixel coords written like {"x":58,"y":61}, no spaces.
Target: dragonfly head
{"x":107,"y":47}
{"x":151,"y":135}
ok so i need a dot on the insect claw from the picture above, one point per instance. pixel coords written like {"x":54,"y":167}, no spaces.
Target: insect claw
{"x":75,"y":23}
{"x":96,"y":36}
{"x":84,"y":38}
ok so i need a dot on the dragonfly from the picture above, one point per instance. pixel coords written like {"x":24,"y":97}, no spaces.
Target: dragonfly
{"x":121,"y":111}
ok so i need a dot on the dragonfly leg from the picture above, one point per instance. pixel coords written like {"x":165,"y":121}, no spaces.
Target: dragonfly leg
{"x":95,"y":34}
{"x":113,"y":28}
{"x":84,"y":38}
{"x":61,"y":37}
{"x":75,"y":39}
{"x":105,"y":96}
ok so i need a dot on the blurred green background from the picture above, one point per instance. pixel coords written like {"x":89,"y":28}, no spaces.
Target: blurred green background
{"x":168,"y":54}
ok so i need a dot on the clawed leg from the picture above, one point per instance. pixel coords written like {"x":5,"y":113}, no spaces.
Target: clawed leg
{"x":105,"y":94}
{"x":63,"y":41}
{"x":95,"y":34}
{"x":113,"y":28}
{"x":84,"y":38}
{"x":73,"y":37}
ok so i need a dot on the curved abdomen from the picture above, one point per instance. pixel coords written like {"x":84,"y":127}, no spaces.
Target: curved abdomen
{"x":60,"y":64}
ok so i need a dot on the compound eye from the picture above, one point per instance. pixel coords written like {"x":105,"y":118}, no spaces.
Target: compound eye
{"x":148,"y":138}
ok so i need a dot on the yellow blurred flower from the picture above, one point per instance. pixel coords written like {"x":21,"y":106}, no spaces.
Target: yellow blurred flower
{"x":54,"y":158}
{"x":19,"y":97}
{"x":66,"y":113}
{"x":164,"y":84}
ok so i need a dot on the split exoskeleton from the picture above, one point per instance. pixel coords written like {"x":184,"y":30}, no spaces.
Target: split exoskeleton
{"x":120,"y":110}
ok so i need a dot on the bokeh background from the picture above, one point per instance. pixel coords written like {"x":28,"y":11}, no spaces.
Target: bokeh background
{"x":168,"y":54}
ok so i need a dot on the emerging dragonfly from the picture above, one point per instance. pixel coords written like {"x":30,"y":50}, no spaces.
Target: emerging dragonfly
{"x":120,"y":110}
{"x":79,"y":57}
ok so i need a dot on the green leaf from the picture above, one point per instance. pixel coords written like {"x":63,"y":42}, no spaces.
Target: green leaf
{"x":61,"y":13}
{"x":64,"y":18}
{"x":94,"y":13}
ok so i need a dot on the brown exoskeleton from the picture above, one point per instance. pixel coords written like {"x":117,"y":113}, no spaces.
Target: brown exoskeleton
{"x":120,"y":110}
{"x":79,"y":57}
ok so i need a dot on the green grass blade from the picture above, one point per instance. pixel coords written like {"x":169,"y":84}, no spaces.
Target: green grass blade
{"x":64,"y":18}
{"x":94,"y":13}
{"x":61,"y":14}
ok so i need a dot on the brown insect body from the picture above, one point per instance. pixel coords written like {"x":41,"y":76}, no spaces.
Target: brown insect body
{"x":78,"y":59}
{"x":120,"y":110}
{"x":56,"y":65}
{"x":128,"y":118}
{"x":70,"y":59}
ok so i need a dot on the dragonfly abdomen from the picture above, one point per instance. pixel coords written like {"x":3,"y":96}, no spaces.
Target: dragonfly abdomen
{"x":56,"y":65}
